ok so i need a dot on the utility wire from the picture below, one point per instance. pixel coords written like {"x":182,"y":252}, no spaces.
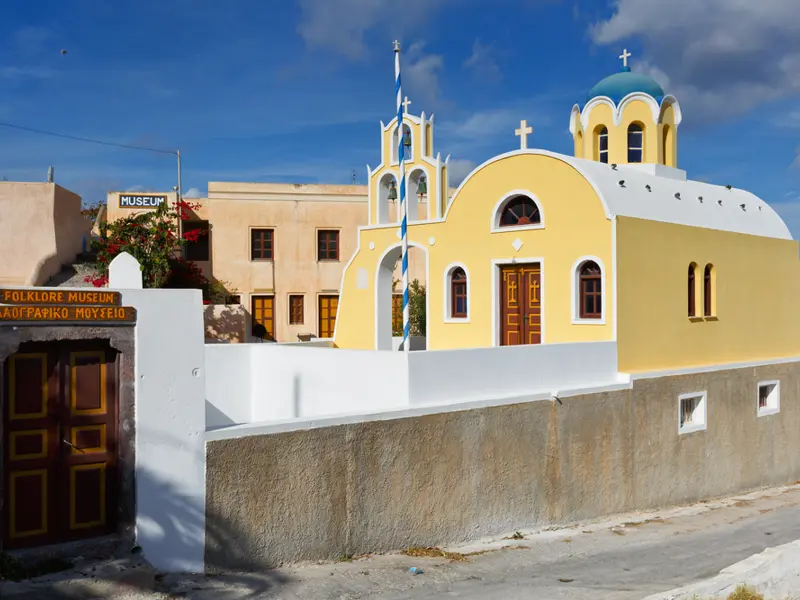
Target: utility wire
{"x":83,"y":139}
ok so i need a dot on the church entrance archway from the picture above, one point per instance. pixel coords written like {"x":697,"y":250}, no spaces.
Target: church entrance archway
{"x":388,"y":297}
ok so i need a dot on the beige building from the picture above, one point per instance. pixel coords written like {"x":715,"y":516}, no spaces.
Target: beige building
{"x":279,"y":249}
{"x":41,"y":230}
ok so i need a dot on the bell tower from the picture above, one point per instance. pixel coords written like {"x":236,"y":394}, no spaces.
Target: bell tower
{"x":627,"y":119}
{"x":426,"y":174}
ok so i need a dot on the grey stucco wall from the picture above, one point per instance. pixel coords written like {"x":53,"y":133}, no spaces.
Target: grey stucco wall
{"x":450,"y":477}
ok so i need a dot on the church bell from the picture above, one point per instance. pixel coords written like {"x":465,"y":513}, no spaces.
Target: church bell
{"x":422,"y":188}
{"x":407,"y":139}
{"x":392,"y":191}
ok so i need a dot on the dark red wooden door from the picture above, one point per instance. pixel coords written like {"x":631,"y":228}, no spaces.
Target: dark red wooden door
{"x":520,"y":305}
{"x":60,"y":434}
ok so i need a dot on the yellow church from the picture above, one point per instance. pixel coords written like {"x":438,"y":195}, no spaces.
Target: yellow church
{"x":614,"y":243}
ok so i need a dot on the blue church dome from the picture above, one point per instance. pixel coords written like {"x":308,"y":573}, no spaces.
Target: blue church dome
{"x":619,"y":85}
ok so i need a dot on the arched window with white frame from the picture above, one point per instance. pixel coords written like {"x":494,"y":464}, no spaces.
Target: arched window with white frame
{"x":517,"y":210}
{"x":456,"y":293}
{"x":588,"y":291}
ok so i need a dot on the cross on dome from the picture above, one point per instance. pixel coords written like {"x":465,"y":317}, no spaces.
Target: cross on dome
{"x":406,"y":104}
{"x":625,"y":56}
{"x":523,"y":133}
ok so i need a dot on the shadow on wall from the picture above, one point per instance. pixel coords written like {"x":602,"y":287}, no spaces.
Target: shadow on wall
{"x":178,"y":524}
{"x":225,"y":323}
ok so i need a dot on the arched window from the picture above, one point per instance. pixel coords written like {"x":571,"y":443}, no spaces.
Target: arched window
{"x":601,"y":144}
{"x":635,"y":143}
{"x":408,"y":144}
{"x":519,"y":211}
{"x":708,"y":288}
{"x":591,"y":291}
{"x":458,"y":294}
{"x":692,"y":288}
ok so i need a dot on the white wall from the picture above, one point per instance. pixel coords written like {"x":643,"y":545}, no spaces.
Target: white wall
{"x":170,"y":427}
{"x":443,"y":376}
{"x":297,"y":380}
{"x":228,"y":384}
{"x":252,"y":383}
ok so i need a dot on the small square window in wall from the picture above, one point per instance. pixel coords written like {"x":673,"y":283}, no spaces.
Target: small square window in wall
{"x":691,"y":412}
{"x":262,"y":244}
{"x":769,"y":398}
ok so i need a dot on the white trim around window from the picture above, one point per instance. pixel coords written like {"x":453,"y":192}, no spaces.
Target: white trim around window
{"x":699,"y":410}
{"x":576,"y":292}
{"x":448,"y":290}
{"x":773,"y":405}
{"x":498,"y":211}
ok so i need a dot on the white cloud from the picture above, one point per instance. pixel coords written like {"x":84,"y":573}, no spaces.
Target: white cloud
{"x":458,"y":169}
{"x":421,"y":75}
{"x":193,"y":193}
{"x":341,"y":25}
{"x":719,"y":57}
{"x":483,"y":63}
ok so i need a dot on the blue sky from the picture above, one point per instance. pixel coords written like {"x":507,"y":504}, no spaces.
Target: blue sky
{"x":293,"y":91}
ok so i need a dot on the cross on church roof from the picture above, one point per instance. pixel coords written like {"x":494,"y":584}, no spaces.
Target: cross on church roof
{"x":523,"y":132}
{"x":405,"y":104}
{"x":625,"y":56}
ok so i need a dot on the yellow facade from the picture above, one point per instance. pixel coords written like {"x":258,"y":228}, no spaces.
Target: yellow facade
{"x":571,"y":230}
{"x":755,"y":289}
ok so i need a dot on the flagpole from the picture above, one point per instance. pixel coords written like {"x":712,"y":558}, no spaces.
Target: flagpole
{"x":403,"y":203}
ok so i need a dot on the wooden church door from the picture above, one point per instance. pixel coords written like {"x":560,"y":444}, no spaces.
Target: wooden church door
{"x":520,"y":304}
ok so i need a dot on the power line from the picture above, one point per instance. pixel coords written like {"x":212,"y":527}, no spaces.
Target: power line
{"x":83,"y":139}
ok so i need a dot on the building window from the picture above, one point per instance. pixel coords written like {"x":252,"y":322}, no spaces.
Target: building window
{"x":635,"y":143}
{"x":691,"y":412}
{"x":397,"y":314}
{"x":769,"y":397}
{"x":261,"y":244}
{"x":692,"y":290}
{"x":458,"y":294}
{"x":328,"y":307}
{"x":296,"y":316}
{"x":519,"y":211}
{"x":708,"y":289}
{"x":602,"y":144}
{"x":198,"y":246}
{"x":262,"y":311}
{"x":591,"y":291}
{"x":327,"y":244}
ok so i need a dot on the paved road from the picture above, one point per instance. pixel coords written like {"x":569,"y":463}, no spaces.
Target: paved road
{"x":629,"y":557}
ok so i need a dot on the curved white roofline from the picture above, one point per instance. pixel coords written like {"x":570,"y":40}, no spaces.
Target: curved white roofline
{"x":668,"y":200}
{"x":617,"y":110}
{"x":673,"y":102}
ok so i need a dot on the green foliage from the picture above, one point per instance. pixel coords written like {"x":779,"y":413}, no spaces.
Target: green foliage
{"x":153,"y":238}
{"x":417,"y":315}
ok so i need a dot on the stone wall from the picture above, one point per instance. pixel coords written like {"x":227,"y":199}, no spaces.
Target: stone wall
{"x":450,"y":477}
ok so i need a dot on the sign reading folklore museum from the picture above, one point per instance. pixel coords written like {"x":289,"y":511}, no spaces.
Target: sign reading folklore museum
{"x":89,"y":297}
{"x":63,"y":306}
{"x":141,"y":200}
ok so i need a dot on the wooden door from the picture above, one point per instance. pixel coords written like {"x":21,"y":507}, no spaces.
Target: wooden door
{"x":520,"y":305}
{"x":328,"y":305}
{"x":263,"y":312}
{"x":60,"y":443}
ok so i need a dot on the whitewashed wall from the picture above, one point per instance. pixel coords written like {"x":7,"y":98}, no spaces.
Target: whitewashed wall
{"x":170,"y":427}
{"x":228,"y":384}
{"x":252,"y":383}
{"x":290,"y":381}
{"x":444,"y":376}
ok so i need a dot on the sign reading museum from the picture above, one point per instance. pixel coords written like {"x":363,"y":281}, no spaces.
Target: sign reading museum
{"x":141,"y":200}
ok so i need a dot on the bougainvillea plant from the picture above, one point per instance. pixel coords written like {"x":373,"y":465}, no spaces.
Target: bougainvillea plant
{"x":153,"y":239}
